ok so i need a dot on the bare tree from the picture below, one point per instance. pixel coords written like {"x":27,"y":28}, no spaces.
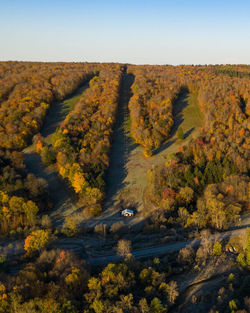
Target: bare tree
{"x":124,"y":248}
{"x":172,"y":291}
{"x":101,"y":229}
{"x":206,"y":242}
{"x":46,"y":221}
{"x":186,"y":255}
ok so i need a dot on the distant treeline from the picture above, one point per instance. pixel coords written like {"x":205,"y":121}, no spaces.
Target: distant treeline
{"x":233,"y":71}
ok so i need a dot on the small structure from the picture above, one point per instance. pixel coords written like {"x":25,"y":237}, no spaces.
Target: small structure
{"x":128,"y":212}
{"x":232,"y":250}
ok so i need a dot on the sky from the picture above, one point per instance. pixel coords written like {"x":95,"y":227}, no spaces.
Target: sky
{"x":129,"y":31}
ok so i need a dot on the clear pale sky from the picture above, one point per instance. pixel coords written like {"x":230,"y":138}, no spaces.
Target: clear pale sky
{"x":133,"y":31}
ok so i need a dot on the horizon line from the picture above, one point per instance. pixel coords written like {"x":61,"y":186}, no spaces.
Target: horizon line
{"x":139,"y":64}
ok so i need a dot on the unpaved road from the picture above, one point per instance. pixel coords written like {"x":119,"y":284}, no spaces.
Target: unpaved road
{"x":77,"y":245}
{"x":162,"y":250}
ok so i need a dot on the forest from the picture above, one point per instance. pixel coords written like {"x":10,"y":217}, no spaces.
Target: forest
{"x":83,"y":142}
{"x":196,"y":197}
{"x":210,"y":175}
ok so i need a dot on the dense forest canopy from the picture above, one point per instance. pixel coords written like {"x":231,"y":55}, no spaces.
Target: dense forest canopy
{"x":204,"y":184}
{"x":83,"y":142}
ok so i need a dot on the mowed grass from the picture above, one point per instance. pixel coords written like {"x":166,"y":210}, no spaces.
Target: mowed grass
{"x":58,"y":112}
{"x":56,"y":115}
{"x":192,"y":114}
{"x":68,"y":104}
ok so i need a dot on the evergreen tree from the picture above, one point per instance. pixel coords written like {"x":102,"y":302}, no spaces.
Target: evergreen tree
{"x":180,"y":133}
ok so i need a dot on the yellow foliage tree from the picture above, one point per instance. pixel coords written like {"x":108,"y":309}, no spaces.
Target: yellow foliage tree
{"x":79,"y":182}
{"x":36,"y":241}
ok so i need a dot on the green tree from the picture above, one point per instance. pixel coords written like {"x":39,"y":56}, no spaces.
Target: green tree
{"x":2,"y":258}
{"x":48,"y":156}
{"x":217,"y":249}
{"x":180,"y":133}
{"x":74,"y":279}
{"x":156,"y":306}
{"x":143,"y":305}
{"x":232,"y":305}
{"x":230,"y":278}
{"x":97,"y":306}
{"x":241,"y":259}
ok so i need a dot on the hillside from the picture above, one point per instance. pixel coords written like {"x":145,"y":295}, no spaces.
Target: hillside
{"x":79,"y":143}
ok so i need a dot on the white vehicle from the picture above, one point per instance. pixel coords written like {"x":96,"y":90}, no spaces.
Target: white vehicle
{"x":128,"y":212}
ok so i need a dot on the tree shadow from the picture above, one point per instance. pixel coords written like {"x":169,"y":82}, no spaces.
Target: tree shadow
{"x":189,"y":132}
{"x":243,"y":106}
{"x":164,"y":146}
{"x":122,"y":144}
{"x":179,"y":104}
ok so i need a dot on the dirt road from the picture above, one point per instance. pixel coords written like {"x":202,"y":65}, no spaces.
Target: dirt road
{"x":165,"y":249}
{"x":16,"y":249}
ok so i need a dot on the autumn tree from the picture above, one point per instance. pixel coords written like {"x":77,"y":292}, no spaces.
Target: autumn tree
{"x":36,"y":241}
{"x":217,"y":249}
{"x":156,"y":306}
{"x":83,"y":141}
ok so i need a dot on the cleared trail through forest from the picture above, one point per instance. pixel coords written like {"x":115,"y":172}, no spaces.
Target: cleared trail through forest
{"x":122,"y":144}
{"x":62,"y":197}
{"x":58,"y":112}
{"x":127,"y":176}
{"x":187,"y":115}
